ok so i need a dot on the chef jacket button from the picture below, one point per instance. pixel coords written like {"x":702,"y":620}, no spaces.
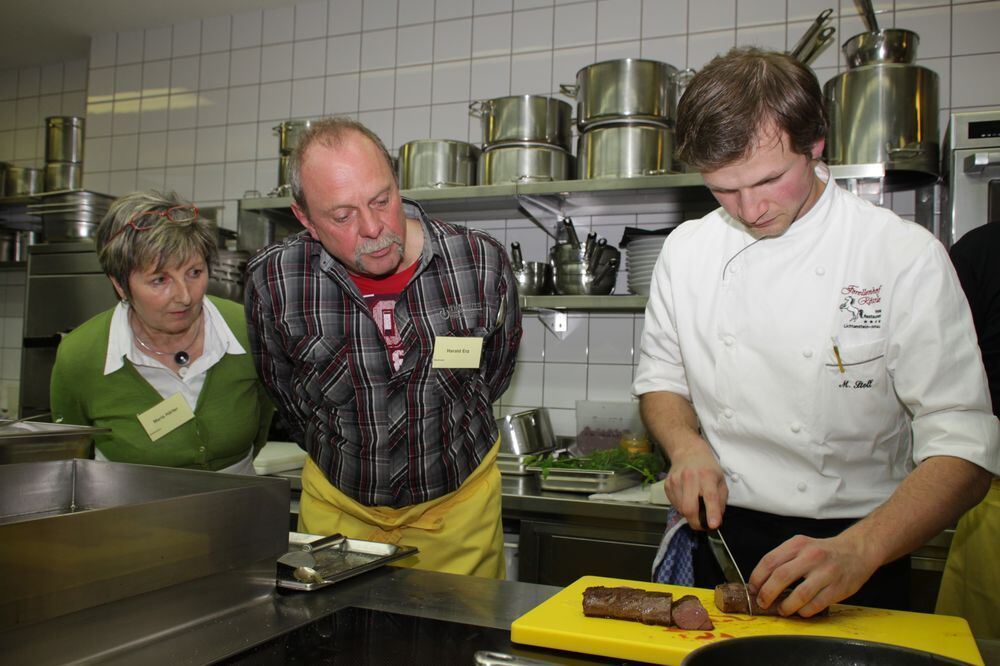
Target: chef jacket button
{"x":801,"y":487}
{"x":735,"y":477}
{"x":807,"y":352}
{"x":729,"y":340}
{"x":734,"y":268}
{"x":727,"y":412}
{"x":820,"y":270}
{"x":796,"y":427}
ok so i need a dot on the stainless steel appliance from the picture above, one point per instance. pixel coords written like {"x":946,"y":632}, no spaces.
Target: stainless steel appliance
{"x":65,"y":288}
{"x":972,"y":170}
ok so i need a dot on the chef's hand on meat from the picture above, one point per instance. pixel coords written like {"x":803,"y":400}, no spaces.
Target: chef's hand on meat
{"x":694,"y":472}
{"x":830,"y":570}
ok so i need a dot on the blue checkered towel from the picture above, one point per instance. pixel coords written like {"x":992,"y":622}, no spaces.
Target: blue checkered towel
{"x":674,"y":562}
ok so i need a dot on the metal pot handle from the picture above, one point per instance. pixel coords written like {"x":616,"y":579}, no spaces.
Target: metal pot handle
{"x":903,"y":153}
{"x":446,"y":183}
{"x":477,"y":109}
{"x":525,"y":178}
{"x":655,"y":172}
{"x":569,"y":89}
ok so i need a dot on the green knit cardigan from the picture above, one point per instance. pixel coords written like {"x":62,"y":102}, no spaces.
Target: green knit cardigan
{"x":232,"y":415}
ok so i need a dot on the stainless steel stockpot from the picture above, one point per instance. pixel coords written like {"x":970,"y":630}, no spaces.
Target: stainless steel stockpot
{"x":288,"y":134}
{"x":885,"y":114}
{"x":63,"y":176}
{"x":22,"y":180}
{"x":627,"y":88}
{"x":64,"y":139}
{"x":624,"y":150}
{"x":520,"y":118}
{"x":524,"y":163}
{"x":437,"y":163}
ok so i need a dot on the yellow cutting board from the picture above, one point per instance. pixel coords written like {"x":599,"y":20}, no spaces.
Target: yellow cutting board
{"x":559,"y":623}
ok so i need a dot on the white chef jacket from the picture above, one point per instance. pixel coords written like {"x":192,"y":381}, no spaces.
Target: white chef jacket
{"x":745,"y":329}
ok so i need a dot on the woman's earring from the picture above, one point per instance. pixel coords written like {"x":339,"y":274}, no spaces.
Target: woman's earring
{"x":124,"y":301}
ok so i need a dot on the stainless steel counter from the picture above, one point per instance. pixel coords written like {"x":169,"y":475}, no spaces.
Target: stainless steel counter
{"x":168,"y":627}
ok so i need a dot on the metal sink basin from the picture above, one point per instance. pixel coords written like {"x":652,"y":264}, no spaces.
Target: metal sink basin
{"x":78,"y":533}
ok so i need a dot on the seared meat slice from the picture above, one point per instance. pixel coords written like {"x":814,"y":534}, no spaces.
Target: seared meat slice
{"x":688,"y":613}
{"x":628,"y":603}
{"x":730,"y":598}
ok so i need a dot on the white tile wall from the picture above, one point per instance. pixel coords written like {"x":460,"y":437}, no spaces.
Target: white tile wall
{"x":192,"y":106}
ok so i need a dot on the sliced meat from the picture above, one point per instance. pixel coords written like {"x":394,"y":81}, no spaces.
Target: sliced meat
{"x":628,"y":603}
{"x":688,"y":613}
{"x":730,"y":598}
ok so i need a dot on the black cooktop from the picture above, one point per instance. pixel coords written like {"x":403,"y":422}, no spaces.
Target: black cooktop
{"x":361,"y":636}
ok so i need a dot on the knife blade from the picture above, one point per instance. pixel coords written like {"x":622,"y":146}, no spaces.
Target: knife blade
{"x":720,"y":550}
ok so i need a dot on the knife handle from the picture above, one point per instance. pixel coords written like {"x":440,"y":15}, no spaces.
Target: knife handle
{"x":702,"y":513}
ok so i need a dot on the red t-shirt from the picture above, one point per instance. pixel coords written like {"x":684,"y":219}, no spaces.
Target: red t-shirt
{"x":381,"y":295}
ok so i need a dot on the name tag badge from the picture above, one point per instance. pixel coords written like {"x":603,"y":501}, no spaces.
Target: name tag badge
{"x":455,"y":352}
{"x":166,"y":417}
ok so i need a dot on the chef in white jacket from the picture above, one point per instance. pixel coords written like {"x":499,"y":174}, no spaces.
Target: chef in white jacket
{"x":808,"y":360}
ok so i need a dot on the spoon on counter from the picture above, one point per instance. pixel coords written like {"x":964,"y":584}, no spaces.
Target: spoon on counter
{"x":304,"y":558}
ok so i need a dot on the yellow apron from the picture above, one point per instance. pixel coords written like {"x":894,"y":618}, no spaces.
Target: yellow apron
{"x":970,"y":586}
{"x":460,"y":532}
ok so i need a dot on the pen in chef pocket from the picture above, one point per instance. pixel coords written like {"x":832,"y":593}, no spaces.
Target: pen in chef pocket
{"x":836,"y":352}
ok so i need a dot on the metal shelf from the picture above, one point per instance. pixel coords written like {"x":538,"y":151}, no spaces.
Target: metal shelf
{"x":642,"y":194}
{"x":624,"y":302}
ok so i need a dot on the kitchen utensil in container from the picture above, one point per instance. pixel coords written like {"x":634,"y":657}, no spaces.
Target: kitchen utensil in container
{"x":64,"y":139}
{"x":821,"y":41}
{"x":437,"y":163}
{"x":880,"y":114}
{"x":624,"y":150}
{"x":524,"y":163}
{"x":868,"y":15}
{"x":628,"y":88}
{"x":529,"y":431}
{"x":810,"y":34}
{"x":524,"y":119}
{"x":888,"y":46}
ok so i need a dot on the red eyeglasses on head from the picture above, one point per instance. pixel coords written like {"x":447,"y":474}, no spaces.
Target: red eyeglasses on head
{"x":147,"y":220}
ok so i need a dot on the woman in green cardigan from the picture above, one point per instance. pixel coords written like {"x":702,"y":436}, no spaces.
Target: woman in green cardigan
{"x":167,"y":369}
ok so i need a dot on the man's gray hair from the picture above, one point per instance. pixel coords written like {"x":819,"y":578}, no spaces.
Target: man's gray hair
{"x":329,"y":132}
{"x":123,"y":250}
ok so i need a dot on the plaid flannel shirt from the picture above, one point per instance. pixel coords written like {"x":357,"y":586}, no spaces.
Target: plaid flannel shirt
{"x":386,"y":438}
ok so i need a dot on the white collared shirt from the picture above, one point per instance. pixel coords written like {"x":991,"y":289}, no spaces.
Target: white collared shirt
{"x":744,"y":329}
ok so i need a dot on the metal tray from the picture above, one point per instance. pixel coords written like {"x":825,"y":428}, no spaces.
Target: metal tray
{"x":513,"y":463}
{"x":337,"y":563}
{"x":587,"y":480}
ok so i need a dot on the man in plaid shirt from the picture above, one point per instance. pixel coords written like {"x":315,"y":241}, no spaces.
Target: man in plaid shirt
{"x":384,"y":337}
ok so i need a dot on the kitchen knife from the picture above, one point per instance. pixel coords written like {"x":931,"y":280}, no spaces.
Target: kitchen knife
{"x":724,"y":556}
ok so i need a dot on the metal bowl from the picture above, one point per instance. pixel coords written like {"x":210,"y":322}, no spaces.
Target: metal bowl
{"x":526,"y":432}
{"x":576,"y":279}
{"x":892,"y":45}
{"x":534,"y":278}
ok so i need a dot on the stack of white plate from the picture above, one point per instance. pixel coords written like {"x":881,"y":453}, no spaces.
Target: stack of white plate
{"x":640,"y":258}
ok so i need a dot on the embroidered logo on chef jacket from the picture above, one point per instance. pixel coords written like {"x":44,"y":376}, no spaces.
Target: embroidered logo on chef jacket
{"x":861,"y":306}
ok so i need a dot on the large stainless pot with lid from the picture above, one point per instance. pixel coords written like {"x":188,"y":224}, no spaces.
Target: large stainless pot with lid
{"x":437,"y":163}
{"x":288,"y":134}
{"x":524,"y":163}
{"x":885,"y":113}
{"x":629,"y":88}
{"x":64,"y":139}
{"x":525,"y":118}
{"x":624,"y":150}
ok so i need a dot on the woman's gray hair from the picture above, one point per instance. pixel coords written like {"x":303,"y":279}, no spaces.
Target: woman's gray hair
{"x":328,"y":132}
{"x":123,"y":250}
